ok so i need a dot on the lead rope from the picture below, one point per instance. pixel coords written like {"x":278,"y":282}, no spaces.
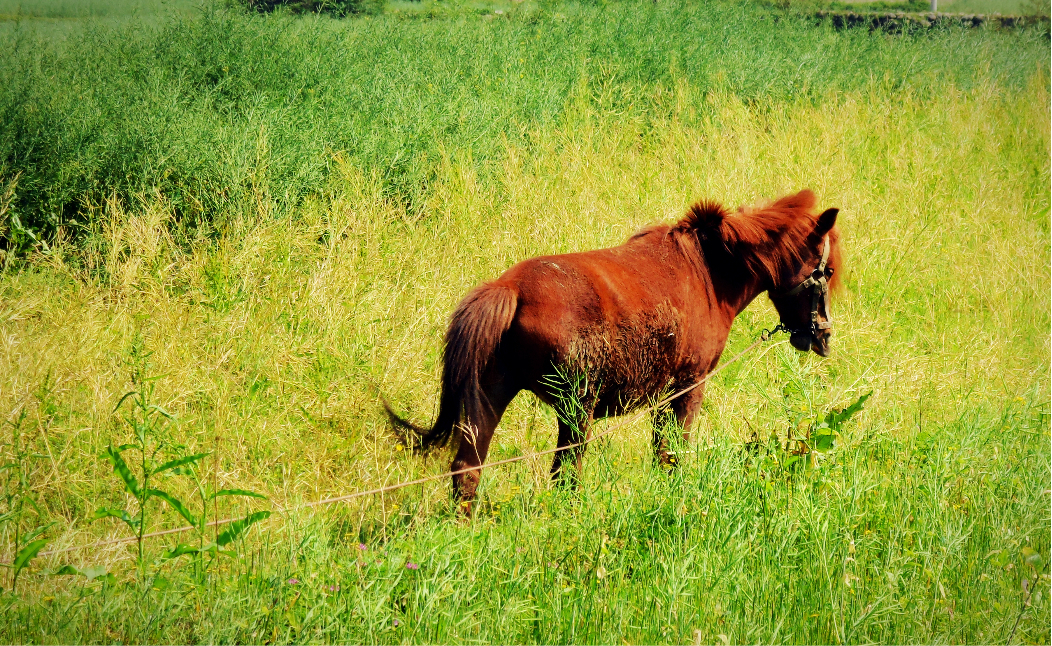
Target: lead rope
{"x":764,"y":336}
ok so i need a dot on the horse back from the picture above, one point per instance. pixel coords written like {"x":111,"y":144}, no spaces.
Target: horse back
{"x":633,"y":319}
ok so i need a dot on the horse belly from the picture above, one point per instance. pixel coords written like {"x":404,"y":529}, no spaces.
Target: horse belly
{"x":627,"y":364}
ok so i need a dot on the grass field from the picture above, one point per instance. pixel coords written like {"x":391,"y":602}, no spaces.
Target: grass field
{"x":1006,"y":7}
{"x":56,"y":20}
{"x":262,"y":218}
{"x":87,"y":9}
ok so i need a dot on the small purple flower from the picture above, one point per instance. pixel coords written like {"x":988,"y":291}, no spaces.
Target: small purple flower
{"x":412,"y":566}
{"x":293,"y":581}
{"x":396,"y":623}
{"x":361,"y":546}
{"x":334,"y":588}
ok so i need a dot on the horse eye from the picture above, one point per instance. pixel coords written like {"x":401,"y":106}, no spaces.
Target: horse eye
{"x":829,"y":272}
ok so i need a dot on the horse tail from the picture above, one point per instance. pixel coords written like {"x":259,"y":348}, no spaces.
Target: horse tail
{"x":475,"y":330}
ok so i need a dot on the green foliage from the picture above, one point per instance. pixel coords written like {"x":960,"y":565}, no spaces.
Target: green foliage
{"x":986,"y":7}
{"x":807,"y":438}
{"x":17,"y":493}
{"x":90,"y":9}
{"x":237,"y":528}
{"x":811,"y":431}
{"x":19,"y":239}
{"x":145,"y":420}
{"x":189,"y":466}
{"x":91,"y":573}
{"x":1037,"y":8}
{"x":571,"y":391}
{"x":822,"y":435}
{"x":222,"y":110}
{"x":338,"y":8}
{"x":26,"y":554}
{"x":882,"y":6}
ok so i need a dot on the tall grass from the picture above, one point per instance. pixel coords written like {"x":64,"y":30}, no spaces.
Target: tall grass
{"x":80,"y":9}
{"x":205,"y":108}
{"x":270,"y":326}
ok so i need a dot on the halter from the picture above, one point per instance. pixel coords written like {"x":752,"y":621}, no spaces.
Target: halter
{"x":819,"y":288}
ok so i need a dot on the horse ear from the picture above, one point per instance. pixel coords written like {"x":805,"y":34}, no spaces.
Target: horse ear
{"x":826,"y":221}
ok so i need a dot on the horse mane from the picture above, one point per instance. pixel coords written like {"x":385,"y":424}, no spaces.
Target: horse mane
{"x":766,"y":241}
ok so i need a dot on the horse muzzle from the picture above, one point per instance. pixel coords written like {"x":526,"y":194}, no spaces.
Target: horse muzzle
{"x":801,"y":341}
{"x":804,"y":340}
{"x":820,"y":344}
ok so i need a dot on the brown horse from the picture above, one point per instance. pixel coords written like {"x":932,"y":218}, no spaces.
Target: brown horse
{"x":618,"y":327}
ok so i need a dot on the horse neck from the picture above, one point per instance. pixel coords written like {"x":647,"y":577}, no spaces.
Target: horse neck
{"x":727,"y":287}
{"x":734,"y":293}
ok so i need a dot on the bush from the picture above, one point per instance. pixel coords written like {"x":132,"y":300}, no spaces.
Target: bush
{"x":334,"y":7}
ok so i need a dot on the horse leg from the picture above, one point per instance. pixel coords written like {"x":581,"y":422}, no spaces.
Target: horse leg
{"x":475,"y":437}
{"x":571,"y":457}
{"x":684,"y":409}
{"x":661,"y":419}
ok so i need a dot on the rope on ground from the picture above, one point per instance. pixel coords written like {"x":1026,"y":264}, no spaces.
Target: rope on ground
{"x":401,"y":485}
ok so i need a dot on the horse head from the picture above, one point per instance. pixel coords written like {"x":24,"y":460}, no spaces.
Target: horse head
{"x":802,"y":297}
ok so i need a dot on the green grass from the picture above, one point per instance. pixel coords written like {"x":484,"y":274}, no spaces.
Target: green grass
{"x":184,"y":106}
{"x":56,"y":21}
{"x":273,"y":215}
{"x":29,"y":9}
{"x":1005,"y":7}
{"x":881,"y":6}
